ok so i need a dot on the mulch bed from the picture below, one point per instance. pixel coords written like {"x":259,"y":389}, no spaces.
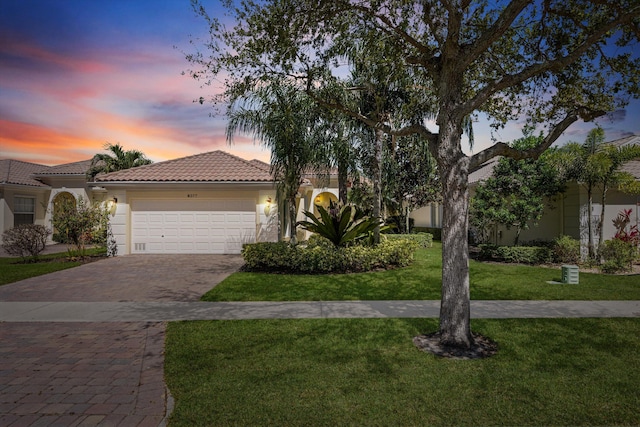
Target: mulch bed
{"x":482,"y":348}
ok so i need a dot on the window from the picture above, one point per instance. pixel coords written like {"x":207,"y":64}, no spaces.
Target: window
{"x":24,"y":210}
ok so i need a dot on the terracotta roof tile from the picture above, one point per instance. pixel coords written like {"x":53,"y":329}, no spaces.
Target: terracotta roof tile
{"x":633,"y":167}
{"x":20,"y":173}
{"x":75,"y":168}
{"x":261,"y":164}
{"x":214,"y":166}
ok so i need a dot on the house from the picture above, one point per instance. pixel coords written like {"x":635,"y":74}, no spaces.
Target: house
{"x":568,"y":213}
{"x":206,"y":203}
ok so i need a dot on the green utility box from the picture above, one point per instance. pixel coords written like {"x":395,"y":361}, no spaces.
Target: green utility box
{"x":570,"y":274}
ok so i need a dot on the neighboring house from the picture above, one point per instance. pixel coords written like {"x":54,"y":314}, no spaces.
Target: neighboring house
{"x":22,"y":197}
{"x":567,"y":214}
{"x":206,"y":203}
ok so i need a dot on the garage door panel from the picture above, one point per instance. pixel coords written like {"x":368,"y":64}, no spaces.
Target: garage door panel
{"x":187,"y":232}
{"x":217,"y":227}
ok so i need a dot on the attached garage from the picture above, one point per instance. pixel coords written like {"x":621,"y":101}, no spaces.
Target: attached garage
{"x":209,"y":203}
{"x":192,"y":226}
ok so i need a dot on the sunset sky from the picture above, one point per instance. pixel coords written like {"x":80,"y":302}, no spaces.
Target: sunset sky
{"x":76,"y":74}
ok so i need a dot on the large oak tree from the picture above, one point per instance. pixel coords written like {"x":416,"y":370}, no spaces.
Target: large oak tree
{"x":553,"y":62}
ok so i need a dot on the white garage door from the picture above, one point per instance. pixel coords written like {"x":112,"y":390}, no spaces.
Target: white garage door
{"x":192,"y":226}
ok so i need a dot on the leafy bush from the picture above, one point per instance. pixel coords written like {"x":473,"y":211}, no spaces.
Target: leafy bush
{"x":25,"y":240}
{"x":566,"y":250}
{"x":340,"y":225}
{"x":618,"y":255}
{"x":80,"y":223}
{"x":516,"y":254}
{"x":319,"y":255}
{"x":424,"y":240}
{"x":435,"y":232}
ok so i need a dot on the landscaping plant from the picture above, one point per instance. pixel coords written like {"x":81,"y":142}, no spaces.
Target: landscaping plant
{"x":321,"y":256}
{"x":80,"y":223}
{"x":566,"y":250}
{"x":25,"y":240}
{"x":342,"y":226}
{"x":620,"y":252}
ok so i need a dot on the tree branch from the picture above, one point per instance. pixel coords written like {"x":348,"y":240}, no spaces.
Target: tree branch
{"x":503,"y":149}
{"x":536,"y":69}
{"x":504,"y":21}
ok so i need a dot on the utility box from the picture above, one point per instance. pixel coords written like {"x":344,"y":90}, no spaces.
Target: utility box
{"x":570,"y":274}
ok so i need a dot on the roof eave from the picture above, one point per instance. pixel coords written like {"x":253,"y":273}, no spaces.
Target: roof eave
{"x":177,"y":183}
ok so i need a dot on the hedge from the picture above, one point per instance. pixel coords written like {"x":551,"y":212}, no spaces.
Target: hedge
{"x":424,"y":240}
{"x":517,"y":254}
{"x":320,"y":256}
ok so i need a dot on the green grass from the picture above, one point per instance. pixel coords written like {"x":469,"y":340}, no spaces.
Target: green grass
{"x":12,"y":270}
{"x":422,"y":281}
{"x":367,"y":372}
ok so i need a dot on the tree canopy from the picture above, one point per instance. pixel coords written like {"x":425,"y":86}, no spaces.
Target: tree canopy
{"x":516,"y":193}
{"x":550,"y":62}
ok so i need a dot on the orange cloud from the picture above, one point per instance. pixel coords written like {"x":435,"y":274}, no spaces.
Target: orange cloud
{"x":37,"y":144}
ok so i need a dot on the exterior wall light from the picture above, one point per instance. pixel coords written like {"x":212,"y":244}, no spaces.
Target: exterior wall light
{"x":267,"y":206}
{"x":112,"y":205}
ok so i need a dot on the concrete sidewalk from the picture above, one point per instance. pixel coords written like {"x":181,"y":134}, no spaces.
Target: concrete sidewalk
{"x":159,"y":311}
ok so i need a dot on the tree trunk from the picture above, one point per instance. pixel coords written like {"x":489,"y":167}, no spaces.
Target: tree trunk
{"x":293,"y":238}
{"x":590,"y":250}
{"x":601,"y":222}
{"x":455,"y":312}
{"x":342,"y":182}
{"x":377,"y":181}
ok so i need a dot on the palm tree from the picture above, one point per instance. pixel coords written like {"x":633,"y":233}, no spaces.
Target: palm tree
{"x":117,"y":159}
{"x":283,"y":119}
{"x":596,"y":164}
{"x":614,"y":159}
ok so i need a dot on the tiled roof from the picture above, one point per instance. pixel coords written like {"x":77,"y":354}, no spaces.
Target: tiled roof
{"x":629,"y":140}
{"x":20,"y":173}
{"x":261,"y":164}
{"x":215,"y":166}
{"x":75,"y":168}
{"x":633,"y":167}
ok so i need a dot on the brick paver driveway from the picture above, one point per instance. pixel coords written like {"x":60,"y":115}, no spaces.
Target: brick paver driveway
{"x":97,"y":373}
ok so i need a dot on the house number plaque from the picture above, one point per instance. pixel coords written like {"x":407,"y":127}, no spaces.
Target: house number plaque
{"x":192,"y":195}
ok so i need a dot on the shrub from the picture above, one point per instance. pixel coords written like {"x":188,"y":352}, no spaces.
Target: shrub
{"x":341,"y":225}
{"x":618,"y":255}
{"x":516,"y":254}
{"x":25,"y":240}
{"x":321,"y":256}
{"x":436,"y":232}
{"x":566,"y":250}
{"x":424,"y":240}
{"x":80,"y":223}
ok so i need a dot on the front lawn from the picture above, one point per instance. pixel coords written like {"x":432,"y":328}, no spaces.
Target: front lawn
{"x":368,"y":372}
{"x":13,"y":270}
{"x":422,"y":281}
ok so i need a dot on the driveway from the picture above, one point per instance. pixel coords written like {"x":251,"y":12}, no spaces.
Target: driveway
{"x":97,"y":373}
{"x":128,"y":278}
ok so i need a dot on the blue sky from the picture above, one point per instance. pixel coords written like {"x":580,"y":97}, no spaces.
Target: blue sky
{"x":76,"y":74}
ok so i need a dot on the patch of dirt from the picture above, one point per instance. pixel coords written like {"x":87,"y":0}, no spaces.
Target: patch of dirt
{"x":482,"y":348}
